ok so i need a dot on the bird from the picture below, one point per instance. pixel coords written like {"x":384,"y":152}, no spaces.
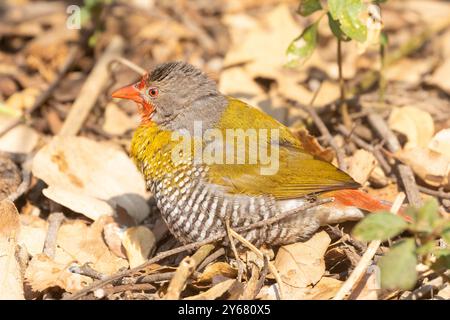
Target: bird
{"x":198,"y":196}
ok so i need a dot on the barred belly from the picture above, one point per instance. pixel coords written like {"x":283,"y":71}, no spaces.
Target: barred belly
{"x":195,"y":210}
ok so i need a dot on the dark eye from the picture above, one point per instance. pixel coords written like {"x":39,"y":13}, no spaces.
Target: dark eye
{"x":152,"y":92}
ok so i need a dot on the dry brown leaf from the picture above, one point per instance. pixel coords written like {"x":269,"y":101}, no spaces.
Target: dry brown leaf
{"x":360,"y":165}
{"x":430,"y":166}
{"x":417,"y":125}
{"x":215,"y":292}
{"x":33,"y":233}
{"x":325,"y":289}
{"x":366,"y":288}
{"x":441,"y":142}
{"x":10,"y":176}
{"x":21,"y":139}
{"x":440,"y":77}
{"x":90,"y":177}
{"x":22,"y":100}
{"x":138,"y":243}
{"x":117,"y":122}
{"x":313,"y":146}
{"x":43,"y":273}
{"x":85,"y":244}
{"x":278,"y":28}
{"x":217,"y":269}
{"x":112,"y":234}
{"x":301,"y":264}
{"x":11,"y":282}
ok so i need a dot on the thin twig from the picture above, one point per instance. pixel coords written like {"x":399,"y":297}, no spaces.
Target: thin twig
{"x":437,"y":193}
{"x":343,"y":106}
{"x":233,"y":248}
{"x":192,"y":246}
{"x":366,"y":259}
{"x":202,"y":253}
{"x":48,"y":91}
{"x":88,"y":271}
{"x":405,"y":172}
{"x":216,"y":254}
{"x":91,"y":89}
{"x":101,"y":293}
{"x":54,"y":222}
{"x":26,"y":178}
{"x":129,"y":64}
{"x":362,"y":144}
{"x":272,"y":268}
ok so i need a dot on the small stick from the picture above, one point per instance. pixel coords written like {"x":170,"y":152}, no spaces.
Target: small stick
{"x":272,"y":268}
{"x":233,"y":248}
{"x":342,"y":103}
{"x":366,"y":259}
{"x":176,"y":285}
{"x":263,"y":276}
{"x":405,"y":172}
{"x":437,"y":193}
{"x":88,"y":271}
{"x":362,"y":144}
{"x":192,"y":246}
{"x":54,"y":222}
{"x":150,"y":278}
{"x":48,"y":92}
{"x":216,"y":254}
{"x":202,"y":253}
{"x":130,"y":65}
{"x":92,"y":88}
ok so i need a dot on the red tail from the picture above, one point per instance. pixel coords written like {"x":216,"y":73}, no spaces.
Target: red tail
{"x":362,"y":200}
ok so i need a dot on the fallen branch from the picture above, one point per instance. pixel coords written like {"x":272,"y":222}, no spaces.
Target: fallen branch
{"x":367,"y":257}
{"x":54,"y":222}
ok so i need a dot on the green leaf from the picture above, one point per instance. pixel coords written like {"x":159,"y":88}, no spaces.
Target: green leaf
{"x":398,"y":266}
{"x":443,"y":260}
{"x":446,"y":232}
{"x":427,"y":216}
{"x":348,"y":13}
{"x":379,"y":226}
{"x":307,"y":7}
{"x":303,"y":46}
{"x":384,"y":39}
{"x":428,"y":247}
{"x":336,"y":28}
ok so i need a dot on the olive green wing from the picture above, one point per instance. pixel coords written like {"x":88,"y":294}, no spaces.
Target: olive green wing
{"x":287,"y":171}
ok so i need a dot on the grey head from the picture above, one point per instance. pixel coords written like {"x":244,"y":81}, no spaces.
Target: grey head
{"x":174,"y":95}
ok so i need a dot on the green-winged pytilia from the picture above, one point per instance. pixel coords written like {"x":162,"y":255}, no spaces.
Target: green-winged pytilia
{"x":183,"y":112}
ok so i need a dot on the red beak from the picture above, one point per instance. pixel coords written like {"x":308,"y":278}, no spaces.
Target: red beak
{"x":129,"y":92}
